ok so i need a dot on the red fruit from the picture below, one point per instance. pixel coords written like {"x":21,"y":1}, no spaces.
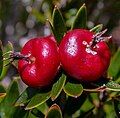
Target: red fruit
{"x":84,"y":57}
{"x":42,"y":64}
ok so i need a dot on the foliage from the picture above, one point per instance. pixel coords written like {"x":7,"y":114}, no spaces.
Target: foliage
{"x":66,"y":98}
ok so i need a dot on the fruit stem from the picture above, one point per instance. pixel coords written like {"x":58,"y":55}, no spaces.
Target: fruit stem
{"x":98,"y":38}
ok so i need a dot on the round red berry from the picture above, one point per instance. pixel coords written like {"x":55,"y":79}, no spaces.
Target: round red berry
{"x":41,"y":62}
{"x":84,"y":55}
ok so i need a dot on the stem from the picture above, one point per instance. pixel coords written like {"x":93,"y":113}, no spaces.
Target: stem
{"x":99,"y":89}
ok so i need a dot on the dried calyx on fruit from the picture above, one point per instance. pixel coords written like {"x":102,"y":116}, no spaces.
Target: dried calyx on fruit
{"x":16,"y":56}
{"x":98,"y":38}
{"x":84,"y":55}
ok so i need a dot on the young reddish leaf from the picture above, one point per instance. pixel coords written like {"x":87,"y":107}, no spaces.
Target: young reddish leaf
{"x":57,"y":87}
{"x":58,"y":24}
{"x":81,"y":18}
{"x":54,"y":112}
{"x":37,"y":100}
{"x":97,"y":28}
{"x":73,"y":90}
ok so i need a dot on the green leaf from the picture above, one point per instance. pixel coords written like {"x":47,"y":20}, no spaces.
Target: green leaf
{"x":43,"y":108}
{"x":114,"y":67}
{"x":20,"y":113}
{"x":1,"y":58}
{"x":2,"y":89}
{"x":57,"y":87}
{"x":54,"y":112}
{"x":97,"y":28}
{"x":81,"y":18}
{"x":26,"y":96}
{"x":117,"y":107}
{"x":37,"y":113}
{"x":58,"y":24}
{"x":7,"y":108}
{"x":73,"y":90}
{"x":37,"y":100}
{"x":7,"y":48}
{"x":113,"y":86}
{"x":2,"y":93}
{"x":73,"y":104}
{"x":51,"y":27}
{"x":109,"y":109}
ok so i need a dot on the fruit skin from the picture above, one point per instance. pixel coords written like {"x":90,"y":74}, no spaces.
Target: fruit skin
{"x":44,"y":64}
{"x":82,"y":63}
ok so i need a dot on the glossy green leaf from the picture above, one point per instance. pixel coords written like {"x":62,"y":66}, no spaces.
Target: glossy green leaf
{"x":113,"y":86}
{"x":117,"y":107}
{"x":73,"y":90}
{"x":7,"y":107}
{"x":7,"y":48}
{"x":43,"y":108}
{"x":37,"y":113}
{"x":26,"y":96}
{"x":29,"y":114}
{"x":1,"y":57}
{"x":114,"y":67}
{"x":58,"y":24}
{"x":97,"y":28}
{"x":57,"y":87}
{"x":20,"y":113}
{"x":38,"y":99}
{"x":54,"y":112}
{"x":81,"y":18}
{"x":51,"y":27}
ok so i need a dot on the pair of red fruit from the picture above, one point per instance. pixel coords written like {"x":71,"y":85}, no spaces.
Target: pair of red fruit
{"x":83,"y":55}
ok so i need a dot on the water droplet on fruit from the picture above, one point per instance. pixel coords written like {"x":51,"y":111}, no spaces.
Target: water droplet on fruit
{"x":72,"y":46}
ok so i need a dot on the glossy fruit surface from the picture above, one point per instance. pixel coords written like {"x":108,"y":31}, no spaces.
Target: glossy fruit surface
{"x":79,"y":59}
{"x":43,"y":62}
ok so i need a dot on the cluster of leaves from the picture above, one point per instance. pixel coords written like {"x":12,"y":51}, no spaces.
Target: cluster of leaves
{"x":65,"y":98}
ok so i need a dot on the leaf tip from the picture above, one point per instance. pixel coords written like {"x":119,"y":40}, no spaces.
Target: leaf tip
{"x":53,"y":98}
{"x":55,"y":7}
{"x":83,"y":4}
